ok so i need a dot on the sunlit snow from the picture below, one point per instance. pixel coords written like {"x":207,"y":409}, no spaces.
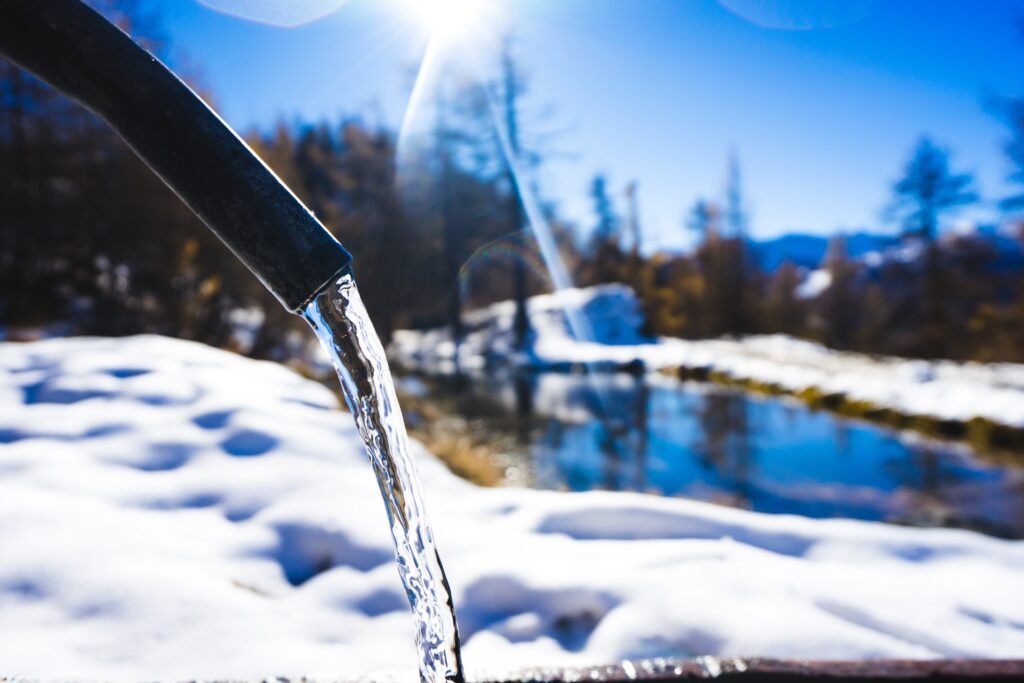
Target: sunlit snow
{"x":170,"y":511}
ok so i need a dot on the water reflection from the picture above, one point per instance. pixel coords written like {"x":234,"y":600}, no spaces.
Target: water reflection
{"x":723,"y":442}
{"x":654,"y":434}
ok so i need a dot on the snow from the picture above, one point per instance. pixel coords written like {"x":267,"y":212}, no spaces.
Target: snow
{"x":169,"y":511}
{"x":941,"y":389}
{"x":816,"y":283}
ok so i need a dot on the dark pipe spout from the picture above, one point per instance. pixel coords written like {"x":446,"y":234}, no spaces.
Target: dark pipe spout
{"x":72,"y":47}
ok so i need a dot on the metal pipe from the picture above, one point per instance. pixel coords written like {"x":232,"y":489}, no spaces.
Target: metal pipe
{"x":75,"y":49}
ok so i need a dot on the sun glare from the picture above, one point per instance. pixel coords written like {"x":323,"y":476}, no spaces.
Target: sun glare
{"x":448,"y":18}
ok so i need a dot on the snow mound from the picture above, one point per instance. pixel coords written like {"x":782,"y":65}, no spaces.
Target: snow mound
{"x":169,"y":511}
{"x":609,"y":315}
{"x":945,"y":390}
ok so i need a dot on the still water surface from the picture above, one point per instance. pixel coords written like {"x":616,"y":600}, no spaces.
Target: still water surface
{"x":658,"y":435}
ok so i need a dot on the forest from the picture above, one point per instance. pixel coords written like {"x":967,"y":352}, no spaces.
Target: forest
{"x":94,"y":244}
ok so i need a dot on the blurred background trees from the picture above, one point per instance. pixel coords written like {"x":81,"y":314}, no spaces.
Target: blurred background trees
{"x":92,"y":243}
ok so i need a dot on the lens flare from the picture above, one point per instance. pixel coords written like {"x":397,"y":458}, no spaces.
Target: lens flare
{"x":799,"y":15}
{"x":506,"y":249}
{"x":411,"y":140}
{"x":275,"y":12}
{"x":415,"y":141}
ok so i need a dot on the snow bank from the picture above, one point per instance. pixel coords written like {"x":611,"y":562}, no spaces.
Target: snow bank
{"x":941,"y":389}
{"x":169,"y":511}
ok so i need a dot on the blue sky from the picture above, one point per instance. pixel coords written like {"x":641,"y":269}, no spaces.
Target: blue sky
{"x":659,"y":91}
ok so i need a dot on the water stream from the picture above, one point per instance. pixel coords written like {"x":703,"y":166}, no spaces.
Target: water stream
{"x":340,"y":321}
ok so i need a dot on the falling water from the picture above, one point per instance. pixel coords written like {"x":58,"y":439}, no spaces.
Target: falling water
{"x":341,"y":323}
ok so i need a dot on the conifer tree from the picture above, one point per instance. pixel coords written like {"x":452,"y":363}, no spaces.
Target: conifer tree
{"x":606,"y":240}
{"x":928,"y":190}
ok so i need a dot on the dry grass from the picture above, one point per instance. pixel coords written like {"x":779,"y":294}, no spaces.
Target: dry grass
{"x":465,"y":448}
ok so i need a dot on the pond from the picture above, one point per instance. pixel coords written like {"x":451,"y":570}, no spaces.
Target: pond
{"x":658,"y":435}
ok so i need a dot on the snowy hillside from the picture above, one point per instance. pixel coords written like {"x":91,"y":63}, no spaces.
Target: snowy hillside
{"x":169,"y":511}
{"x":944,"y":390}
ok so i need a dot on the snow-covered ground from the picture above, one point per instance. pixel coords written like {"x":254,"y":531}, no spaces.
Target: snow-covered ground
{"x":170,"y":511}
{"x":941,"y":389}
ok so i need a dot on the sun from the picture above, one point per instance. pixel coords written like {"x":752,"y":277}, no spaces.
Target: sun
{"x":449,"y":19}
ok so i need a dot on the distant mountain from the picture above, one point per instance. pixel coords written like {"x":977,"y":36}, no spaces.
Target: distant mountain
{"x":1002,"y":252}
{"x":1008,"y":250}
{"x":808,"y":251}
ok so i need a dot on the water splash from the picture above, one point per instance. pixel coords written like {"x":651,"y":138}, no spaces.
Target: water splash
{"x":340,"y":321}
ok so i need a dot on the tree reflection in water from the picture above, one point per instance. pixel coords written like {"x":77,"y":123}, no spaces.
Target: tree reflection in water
{"x":723,"y":442}
{"x":644,"y":433}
